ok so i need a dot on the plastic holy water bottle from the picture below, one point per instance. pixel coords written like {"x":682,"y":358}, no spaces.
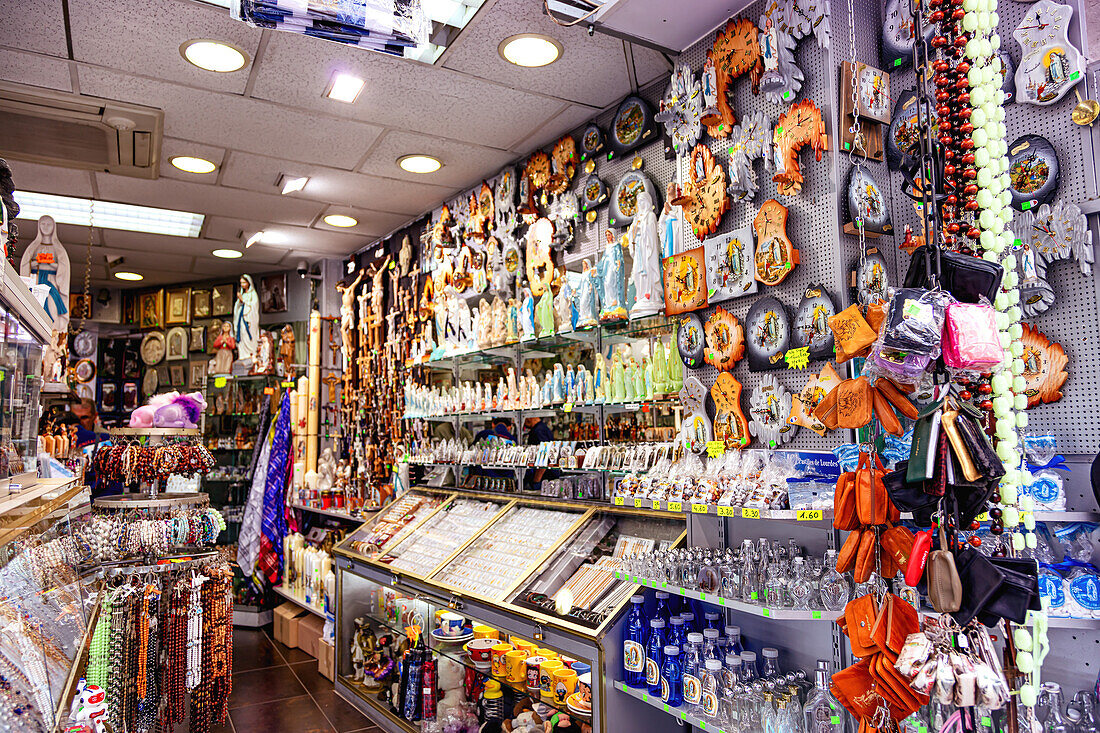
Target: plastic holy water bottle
{"x":634,"y":637}
{"x":709,"y":691}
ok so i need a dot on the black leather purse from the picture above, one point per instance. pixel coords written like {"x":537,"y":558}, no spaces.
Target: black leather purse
{"x":980,"y":579}
{"x":909,"y":497}
{"x":1017,"y":594}
{"x":967,"y":278}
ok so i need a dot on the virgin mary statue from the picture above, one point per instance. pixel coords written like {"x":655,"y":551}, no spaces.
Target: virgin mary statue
{"x":246,"y":319}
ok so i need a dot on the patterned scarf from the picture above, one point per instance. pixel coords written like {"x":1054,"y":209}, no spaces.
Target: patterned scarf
{"x":273,"y":525}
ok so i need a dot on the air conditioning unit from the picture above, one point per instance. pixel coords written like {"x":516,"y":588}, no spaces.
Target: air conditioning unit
{"x":75,"y":131}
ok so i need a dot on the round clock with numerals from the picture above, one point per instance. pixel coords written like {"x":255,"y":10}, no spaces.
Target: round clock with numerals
{"x":767,"y":333}
{"x":624,"y":199}
{"x":681,"y":108}
{"x":811,"y":323}
{"x":691,"y":340}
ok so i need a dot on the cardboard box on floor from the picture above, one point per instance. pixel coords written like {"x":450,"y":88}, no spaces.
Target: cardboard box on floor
{"x":309,"y":634}
{"x":326,"y":660}
{"x":287,"y":617}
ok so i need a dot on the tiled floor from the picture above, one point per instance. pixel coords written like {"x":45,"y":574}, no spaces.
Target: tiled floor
{"x":276,"y":688}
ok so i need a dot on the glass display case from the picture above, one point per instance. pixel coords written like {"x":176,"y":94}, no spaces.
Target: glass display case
{"x":462,"y":567}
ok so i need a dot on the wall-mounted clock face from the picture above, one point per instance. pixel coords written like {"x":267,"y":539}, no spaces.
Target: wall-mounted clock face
{"x":691,"y":340}
{"x":736,"y":51}
{"x":696,"y":428}
{"x":873,"y":87}
{"x":681,"y":108}
{"x":866,"y":203}
{"x":748,"y":142}
{"x":1059,"y":232}
{"x":903,"y":136}
{"x":811,"y":323}
{"x":593,"y":193}
{"x":1044,"y":367}
{"x":1049,"y":65}
{"x":1033,"y":172}
{"x":705,"y":191}
{"x":871,"y":279}
{"x":624,"y":198}
{"x":768,"y":333}
{"x":632,"y":126}
{"x":563,"y":159}
{"x":731,"y":265}
{"x":769,"y":408}
{"x":897,"y":35}
{"x":538,"y":170}
{"x":685,"y":282}
{"x":725,"y":340}
{"x":730,"y":425}
{"x":799,"y":126}
{"x":775,"y":253}
{"x":592,"y":142}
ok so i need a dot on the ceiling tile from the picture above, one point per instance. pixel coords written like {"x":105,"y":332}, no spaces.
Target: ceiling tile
{"x":569,"y":119}
{"x":236,"y":122}
{"x":206,"y":199}
{"x":592,"y":70}
{"x":371,"y":223}
{"x":171,"y":147}
{"x":321,"y":241}
{"x":35,"y":69}
{"x":109,"y":34}
{"x":36,"y":25}
{"x":260,"y":173}
{"x":50,"y":179}
{"x":296,"y":70}
{"x":463,"y":165}
{"x":140,"y":254}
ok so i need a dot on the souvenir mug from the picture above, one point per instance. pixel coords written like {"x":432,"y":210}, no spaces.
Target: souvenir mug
{"x":515,"y":666}
{"x":580,"y":668}
{"x":480,"y":650}
{"x":481,"y":631}
{"x":533,"y":664}
{"x":584,"y":687}
{"x":565,"y":684}
{"x":500,"y":668}
{"x":546,"y":678}
{"x":524,"y":645}
{"x":450,"y":624}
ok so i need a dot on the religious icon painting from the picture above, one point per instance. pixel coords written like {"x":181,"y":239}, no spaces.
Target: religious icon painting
{"x":592,"y":142}
{"x":632,"y":126}
{"x":811,"y":323}
{"x":775,"y":255}
{"x":768,"y":334}
{"x":867,"y":207}
{"x":731,"y":265}
{"x":730,"y":425}
{"x":1033,"y":172}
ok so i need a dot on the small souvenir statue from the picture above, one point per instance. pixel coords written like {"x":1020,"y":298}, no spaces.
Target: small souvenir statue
{"x":570,"y":385}
{"x":498,"y":331}
{"x":362,"y":648}
{"x":544,"y":314}
{"x":286,"y":351}
{"x":639,"y":379}
{"x":709,"y":82}
{"x":547,"y":391}
{"x":587,"y":380}
{"x":647,"y":378}
{"x":558,"y":383}
{"x":587,"y":303}
{"x":675,"y":369}
{"x":502,"y":395}
{"x":670,"y":225}
{"x":224,"y":343}
{"x":618,"y":379}
{"x":563,"y":305}
{"x":612,"y":274}
{"x":263,"y":359}
{"x":511,"y":323}
{"x":527,"y":316}
{"x":660,"y":368}
{"x":484,"y":325}
{"x":645,"y":273}
{"x":599,"y":380}
{"x":629,"y":371}
{"x":533,"y":395}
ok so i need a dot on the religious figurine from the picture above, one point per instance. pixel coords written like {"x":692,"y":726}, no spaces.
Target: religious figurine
{"x":246,"y":319}
{"x":584,"y":385}
{"x":362,"y":648}
{"x":404,"y":257}
{"x":645,"y":273}
{"x":224,"y":343}
{"x":612,"y":274}
{"x":467,"y":338}
{"x":660,"y":368}
{"x":347,"y":316}
{"x":498,"y":329}
{"x":527,"y":316}
{"x":618,"y":380}
{"x":377,"y":294}
{"x":45,"y":259}
{"x":286,"y":351}
{"x":563,"y":305}
{"x":484,"y":325}
{"x":559,"y":384}
{"x":547,"y":391}
{"x":570,"y":385}
{"x":587,"y":301}
{"x":599,"y":380}
{"x":544,"y":314}
{"x":638,"y":371}
{"x":675,"y":367}
{"x":670,"y":225}
{"x":513,"y":390}
{"x":263,"y":361}
{"x":647,"y":378}
{"x":511,"y":322}
{"x":502,"y":395}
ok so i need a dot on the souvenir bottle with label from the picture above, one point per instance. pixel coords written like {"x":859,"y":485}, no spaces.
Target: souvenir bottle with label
{"x":822,"y":713}
{"x":654,"y":655}
{"x":835,"y":590}
{"x":771,"y":663}
{"x":733,"y":640}
{"x":672,"y":678}
{"x":634,"y":633}
{"x":663,"y":610}
{"x":709,"y":691}
{"x":710,"y":645}
{"x":693,"y":668}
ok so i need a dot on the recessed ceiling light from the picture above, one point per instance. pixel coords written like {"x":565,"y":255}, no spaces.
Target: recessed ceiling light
{"x":345,"y":88}
{"x":341,"y":220}
{"x":213,"y":55}
{"x":108,"y":215}
{"x":131,"y":276}
{"x":293,"y":185}
{"x":227,"y":254}
{"x":418,"y":163}
{"x":190,"y":164}
{"x":530,"y":50}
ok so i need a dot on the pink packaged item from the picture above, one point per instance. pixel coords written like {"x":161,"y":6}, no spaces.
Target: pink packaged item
{"x":970,"y":337}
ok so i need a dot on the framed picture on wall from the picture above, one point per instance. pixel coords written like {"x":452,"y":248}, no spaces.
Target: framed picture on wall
{"x":129,"y":396}
{"x":221,"y":300}
{"x":108,"y":397}
{"x":80,"y":306}
{"x":200,"y":304}
{"x":198,"y":373}
{"x":129,"y":308}
{"x":177,"y":375}
{"x":197,"y":342}
{"x":176,"y":343}
{"x":273,"y":293}
{"x":151,"y":310}
{"x":179,"y":307}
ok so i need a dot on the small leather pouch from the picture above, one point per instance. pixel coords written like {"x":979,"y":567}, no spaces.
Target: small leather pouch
{"x":853,"y":403}
{"x":865,"y":557}
{"x":854,"y":688}
{"x":909,"y":497}
{"x":825,"y":411}
{"x":886,"y":415}
{"x":1018,"y":592}
{"x":958,"y":447}
{"x":897,"y":542}
{"x":978,"y":444}
{"x":846,"y":558}
{"x":844,"y":502}
{"x":872,"y":502}
{"x":918,"y":558}
{"x":897,"y":398}
{"x":860,"y":614}
{"x":944,"y":586}
{"x":851,"y":332}
{"x":922,"y":452}
{"x":979,"y":577}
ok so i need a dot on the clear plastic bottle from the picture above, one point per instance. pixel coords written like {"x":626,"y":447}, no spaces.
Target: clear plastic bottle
{"x":634,"y":637}
{"x":711,"y":620}
{"x":733,"y":664}
{"x":771,"y":663}
{"x":677,"y":632}
{"x":654,"y":654}
{"x":800,"y":586}
{"x":751,"y":587}
{"x":1056,"y":722}
{"x":835,"y":590}
{"x":672,"y":678}
{"x":733,"y":640}
{"x":710,"y":646}
{"x":663,"y":610}
{"x":709,"y":694}
{"x":693,"y":668}
{"x":689,"y":620}
{"x":822,"y":713}
{"x":794,"y":705}
{"x":749,"y":674}
{"x":768,"y":722}
{"x":751,"y":706}
{"x":1086,"y":705}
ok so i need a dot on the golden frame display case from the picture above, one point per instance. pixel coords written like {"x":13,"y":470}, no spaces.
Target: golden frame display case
{"x":557,"y":554}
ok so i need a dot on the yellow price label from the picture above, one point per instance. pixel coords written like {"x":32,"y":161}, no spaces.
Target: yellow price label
{"x":567,"y":407}
{"x":637,"y":503}
{"x":657,"y":505}
{"x":748,"y":513}
{"x":716,"y":448}
{"x":619,"y":501}
{"x":219,"y":382}
{"x":808,"y":515}
{"x":675,"y":506}
{"x":983,"y":517}
{"x":699,"y":508}
{"x":725,"y":511}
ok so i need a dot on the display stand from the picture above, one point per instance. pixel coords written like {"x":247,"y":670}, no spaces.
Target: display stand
{"x":153,"y":497}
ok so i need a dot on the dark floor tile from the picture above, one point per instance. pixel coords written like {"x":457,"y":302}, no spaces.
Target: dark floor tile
{"x":253,"y":650}
{"x":309,"y":676}
{"x":298,"y":714}
{"x":342,"y":714}
{"x":264,"y":685}
{"x":185,"y":726}
{"x":292,"y":656}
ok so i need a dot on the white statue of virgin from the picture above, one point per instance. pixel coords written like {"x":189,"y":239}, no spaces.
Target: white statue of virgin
{"x":646,"y":270}
{"x":48,"y":262}
{"x":246,"y":319}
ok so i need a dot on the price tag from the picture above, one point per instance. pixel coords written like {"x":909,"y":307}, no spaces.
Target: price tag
{"x":716,"y":448}
{"x":675,"y":506}
{"x":750,"y":513}
{"x":721,"y":601}
{"x":288,"y":385}
{"x":767,"y":612}
{"x":725,"y":511}
{"x":269,"y":390}
{"x":797,"y":358}
{"x":637,"y":503}
{"x":645,"y":697}
{"x":987,"y":722}
{"x":699,"y":508}
{"x":567,"y":407}
{"x":816,"y":614}
{"x":808,"y":515}
{"x":983,"y":517}
{"x":619,"y":501}
{"x":834,"y":719}
{"x":219,"y":382}
{"x":702,"y":596}
{"x":657,"y":505}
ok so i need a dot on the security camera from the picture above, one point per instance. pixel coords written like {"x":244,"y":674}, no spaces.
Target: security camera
{"x":303,"y":269}
{"x":591,"y":30}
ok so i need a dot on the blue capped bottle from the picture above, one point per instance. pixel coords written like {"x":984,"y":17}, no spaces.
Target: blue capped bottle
{"x":634,"y":638}
{"x":663,"y":610}
{"x":654,"y":655}
{"x":672,"y":678}
{"x":677,"y":632}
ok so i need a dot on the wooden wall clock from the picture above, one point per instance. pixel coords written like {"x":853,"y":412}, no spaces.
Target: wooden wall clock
{"x":799,"y":126}
{"x":768,"y":334}
{"x":563,"y":159}
{"x":696,"y":428}
{"x":624,"y":198}
{"x":730,"y":425}
{"x":736,"y":52}
{"x":731,"y":265}
{"x":811,"y":323}
{"x":1049,"y":65}
{"x":504,"y":194}
{"x":1033,"y":172}
{"x":704,"y":198}
{"x":681,"y":108}
{"x":540,"y":266}
{"x":725,"y":340}
{"x":769,"y":408}
{"x":592,"y":142}
{"x":685,"y":282}
{"x":775,"y":255}
{"x":538,"y":170}
{"x":1044,"y":367}
{"x":691,"y":341}
{"x":867,"y":141}
{"x":632,"y":126}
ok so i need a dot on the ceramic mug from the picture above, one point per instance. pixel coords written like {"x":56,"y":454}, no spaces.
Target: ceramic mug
{"x":584,"y":687}
{"x":580,"y":667}
{"x":481,"y":631}
{"x":500,"y":669}
{"x":515,"y":666}
{"x":450,"y":624}
{"x":524,"y":645}
{"x":533,"y":664}
{"x":546,"y":678}
{"x":565,"y":684}
{"x":480,"y":650}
